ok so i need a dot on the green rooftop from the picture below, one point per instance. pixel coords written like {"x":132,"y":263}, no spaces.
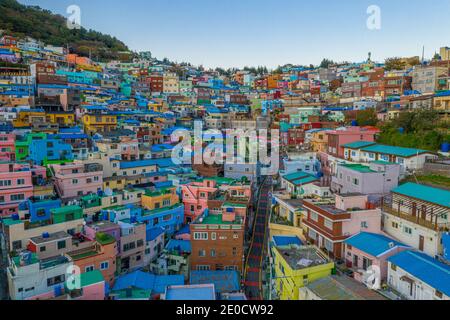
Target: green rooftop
{"x":216,"y":219}
{"x":358,"y":144}
{"x":234,"y":205}
{"x":300,"y":178}
{"x":90,"y":278}
{"x":358,"y":167}
{"x":429,"y":194}
{"x":159,"y":210}
{"x":104,"y":238}
{"x":34,"y":259}
{"x":84,"y":255}
{"x":135,"y":294}
{"x":396,"y":151}
{"x":10,"y":222}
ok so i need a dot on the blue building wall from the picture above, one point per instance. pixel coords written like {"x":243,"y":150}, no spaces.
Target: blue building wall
{"x":50,"y":149}
{"x":170,"y":219}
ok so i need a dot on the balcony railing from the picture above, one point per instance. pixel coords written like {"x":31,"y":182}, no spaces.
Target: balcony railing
{"x":417,"y":219}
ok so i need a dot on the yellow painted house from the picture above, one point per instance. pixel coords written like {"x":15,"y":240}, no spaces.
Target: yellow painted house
{"x":297,"y":266}
{"x":66,"y":119}
{"x":94,"y":123}
{"x":159,"y":199}
{"x":26,"y":118}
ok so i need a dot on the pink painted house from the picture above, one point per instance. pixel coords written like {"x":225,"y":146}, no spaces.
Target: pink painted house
{"x":195,"y":198}
{"x":7,"y":147}
{"x":338,"y":138}
{"x":77,"y":179}
{"x":364,"y":250}
{"x":16,"y":186}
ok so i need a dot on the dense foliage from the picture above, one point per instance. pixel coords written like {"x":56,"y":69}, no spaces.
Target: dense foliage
{"x":419,"y":129}
{"x":20,"y":20}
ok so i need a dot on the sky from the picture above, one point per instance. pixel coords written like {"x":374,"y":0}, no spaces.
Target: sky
{"x":238,"y":33}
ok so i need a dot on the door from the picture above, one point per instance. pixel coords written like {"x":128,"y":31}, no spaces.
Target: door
{"x":355,"y":261}
{"x":414,"y":209}
{"x":421,"y":243}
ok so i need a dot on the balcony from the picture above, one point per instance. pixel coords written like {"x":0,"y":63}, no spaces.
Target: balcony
{"x":417,"y":220}
{"x":93,"y":167}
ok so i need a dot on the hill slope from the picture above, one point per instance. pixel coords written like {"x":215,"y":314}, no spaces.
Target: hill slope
{"x":21,"y":20}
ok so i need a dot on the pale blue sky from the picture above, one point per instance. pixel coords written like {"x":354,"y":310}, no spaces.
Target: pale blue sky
{"x":235,"y":33}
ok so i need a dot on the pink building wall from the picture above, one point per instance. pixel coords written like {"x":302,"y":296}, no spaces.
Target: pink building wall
{"x":193,"y":200}
{"x":7,"y":147}
{"x":93,"y":292}
{"x":16,"y":181}
{"x":65,"y":180}
{"x":380,"y":261}
{"x":336,"y":138}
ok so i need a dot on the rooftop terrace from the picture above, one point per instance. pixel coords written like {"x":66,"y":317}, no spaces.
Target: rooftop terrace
{"x":302,"y":257}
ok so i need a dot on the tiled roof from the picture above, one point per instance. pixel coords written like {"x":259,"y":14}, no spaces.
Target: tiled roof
{"x":430,"y":194}
{"x":434,"y":273}
{"x":373,"y":244}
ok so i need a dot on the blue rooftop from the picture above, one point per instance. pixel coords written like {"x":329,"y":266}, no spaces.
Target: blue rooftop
{"x":179,"y":245}
{"x":194,"y":292}
{"x":286,"y":240}
{"x":373,"y":244}
{"x":147,"y":281}
{"x":224,"y":280}
{"x":162,"y":163}
{"x":429,"y":270}
{"x":154,"y":233}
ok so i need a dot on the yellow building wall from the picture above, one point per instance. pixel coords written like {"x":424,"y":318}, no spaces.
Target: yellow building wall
{"x":289,"y":282}
{"x":150,"y":202}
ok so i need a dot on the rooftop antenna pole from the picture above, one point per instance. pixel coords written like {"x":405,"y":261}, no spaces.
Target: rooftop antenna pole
{"x":423,"y":55}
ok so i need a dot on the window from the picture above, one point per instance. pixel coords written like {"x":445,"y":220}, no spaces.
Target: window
{"x":201,"y":253}
{"x":200,"y":235}
{"x":364,"y":225}
{"x":40,"y":212}
{"x":166,"y":202}
{"x":203,"y":268}
{"x":2,"y":199}
{"x":20,"y":182}
{"x":213,"y":253}
{"x":140,"y":243}
{"x":213,"y":236}
{"x":61,"y":244}
{"x":328,"y":224}
{"x":407,"y":230}
{"x":74,"y":181}
{"x":356,"y":182}
{"x":438,"y":294}
{"x":56,"y":280}
{"x":17,"y":245}
{"x":89,"y":269}
{"x":314,"y":216}
{"x":17,"y":197}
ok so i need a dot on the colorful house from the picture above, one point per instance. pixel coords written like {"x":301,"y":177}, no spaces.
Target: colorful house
{"x":417,"y":276}
{"x":369,"y":249}
{"x":297,"y":266}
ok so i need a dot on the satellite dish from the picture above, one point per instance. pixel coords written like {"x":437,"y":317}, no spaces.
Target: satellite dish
{"x":108,"y":192}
